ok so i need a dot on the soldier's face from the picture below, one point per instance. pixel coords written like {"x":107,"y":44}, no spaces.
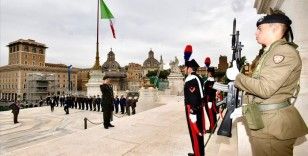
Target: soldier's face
{"x":264,"y":33}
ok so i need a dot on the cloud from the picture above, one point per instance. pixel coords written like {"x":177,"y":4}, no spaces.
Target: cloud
{"x":68,"y":28}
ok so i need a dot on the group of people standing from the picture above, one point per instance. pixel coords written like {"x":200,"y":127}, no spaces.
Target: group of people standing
{"x":127,"y":106}
{"x":92,"y":103}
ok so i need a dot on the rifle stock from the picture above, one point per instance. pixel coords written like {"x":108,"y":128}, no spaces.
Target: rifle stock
{"x":231,"y":102}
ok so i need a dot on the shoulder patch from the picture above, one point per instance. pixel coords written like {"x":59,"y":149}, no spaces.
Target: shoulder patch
{"x":278,"y":58}
{"x":192,"y":89}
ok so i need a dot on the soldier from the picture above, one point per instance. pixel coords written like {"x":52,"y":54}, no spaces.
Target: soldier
{"x":47,"y":100}
{"x":98,"y":102}
{"x":82,"y":99}
{"x":94,"y":103}
{"x":116,"y":103}
{"x":90,"y":102}
{"x":128,"y":104}
{"x":107,"y":99}
{"x":15,"y":110}
{"x":75,"y":101}
{"x":210,"y":99}
{"x":134,"y":104}
{"x":41,"y":101}
{"x":61,"y":100}
{"x":193,"y":95}
{"x":270,"y":89}
{"x":122,"y":103}
{"x":56,"y":100}
{"x":66,"y":104}
{"x":52,"y":103}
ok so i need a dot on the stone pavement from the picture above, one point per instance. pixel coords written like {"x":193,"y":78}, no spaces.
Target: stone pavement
{"x":162,"y":130}
{"x":159,"y":131}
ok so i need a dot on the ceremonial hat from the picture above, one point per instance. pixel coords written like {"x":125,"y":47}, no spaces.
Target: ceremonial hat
{"x":211,"y":69}
{"x":275,"y":18}
{"x":192,"y":63}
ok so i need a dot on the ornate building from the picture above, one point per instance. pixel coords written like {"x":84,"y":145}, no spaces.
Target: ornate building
{"x":27,"y":57}
{"x":83,"y":76}
{"x":112,"y":69}
{"x":134,"y":76}
{"x":150,"y":64}
{"x":223,"y":64}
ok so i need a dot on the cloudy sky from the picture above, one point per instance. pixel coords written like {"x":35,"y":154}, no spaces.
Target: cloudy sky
{"x":68,"y":28}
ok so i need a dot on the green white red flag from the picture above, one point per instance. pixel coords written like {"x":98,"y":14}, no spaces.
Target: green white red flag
{"x":106,"y":14}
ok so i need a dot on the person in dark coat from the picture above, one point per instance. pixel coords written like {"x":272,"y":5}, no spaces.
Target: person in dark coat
{"x":41,"y":101}
{"x":107,"y":100}
{"x":52,"y":103}
{"x":116,"y":103}
{"x":98,"y":102}
{"x":122,"y":104}
{"x":129,"y":103}
{"x":15,"y":110}
{"x":134,"y":104}
{"x":62,"y":100}
{"x":67,"y":104}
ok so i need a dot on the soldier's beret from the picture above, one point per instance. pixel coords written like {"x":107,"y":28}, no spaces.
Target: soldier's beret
{"x":211,"y":69}
{"x":105,"y":77}
{"x":192,"y":63}
{"x":275,"y":18}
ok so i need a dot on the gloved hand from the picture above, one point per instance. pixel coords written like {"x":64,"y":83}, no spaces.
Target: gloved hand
{"x":236,"y":113}
{"x":193,"y":118}
{"x":232,"y":72}
{"x":209,"y":104}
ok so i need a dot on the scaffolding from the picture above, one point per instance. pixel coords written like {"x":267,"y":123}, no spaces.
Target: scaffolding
{"x":39,"y":86}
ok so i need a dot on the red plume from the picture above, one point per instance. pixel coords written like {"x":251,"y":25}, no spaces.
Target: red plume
{"x":207,"y":62}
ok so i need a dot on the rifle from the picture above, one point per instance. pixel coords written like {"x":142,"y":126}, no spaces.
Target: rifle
{"x":233,"y":100}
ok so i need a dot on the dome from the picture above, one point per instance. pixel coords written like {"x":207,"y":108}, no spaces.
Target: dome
{"x":111,"y":64}
{"x":151,"y":62}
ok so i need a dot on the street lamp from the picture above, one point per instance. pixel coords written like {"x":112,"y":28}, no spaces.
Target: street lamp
{"x":69,"y":68}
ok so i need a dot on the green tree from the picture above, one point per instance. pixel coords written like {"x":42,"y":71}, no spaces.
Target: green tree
{"x":162,"y":75}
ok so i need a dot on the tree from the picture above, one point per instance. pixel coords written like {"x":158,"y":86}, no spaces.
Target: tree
{"x":162,"y":75}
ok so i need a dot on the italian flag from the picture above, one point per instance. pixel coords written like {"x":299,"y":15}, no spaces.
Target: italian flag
{"x":106,"y":14}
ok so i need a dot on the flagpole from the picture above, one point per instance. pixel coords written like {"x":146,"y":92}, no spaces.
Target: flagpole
{"x":97,"y":65}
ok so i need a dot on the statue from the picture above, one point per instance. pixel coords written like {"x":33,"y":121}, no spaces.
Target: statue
{"x":174,"y":66}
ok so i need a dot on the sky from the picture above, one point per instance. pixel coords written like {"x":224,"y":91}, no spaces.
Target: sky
{"x":68,"y":28}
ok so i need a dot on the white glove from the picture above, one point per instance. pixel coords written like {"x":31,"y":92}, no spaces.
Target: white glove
{"x":209,"y":104}
{"x":193,"y":118}
{"x":232,"y":72}
{"x":236,"y":113}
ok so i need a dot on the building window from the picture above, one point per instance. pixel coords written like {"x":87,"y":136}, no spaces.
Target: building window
{"x":26,"y":56}
{"x":26,"y":48}
{"x":11,"y":50}
{"x":34,"y":49}
{"x":33,"y":62}
{"x":33,"y":56}
{"x":17,"y":47}
{"x":26,"y":62}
